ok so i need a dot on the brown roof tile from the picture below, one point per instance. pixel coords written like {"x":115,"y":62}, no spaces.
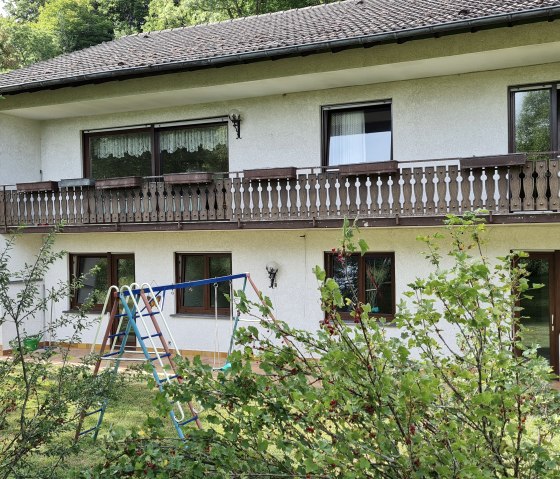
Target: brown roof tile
{"x":335,"y":25}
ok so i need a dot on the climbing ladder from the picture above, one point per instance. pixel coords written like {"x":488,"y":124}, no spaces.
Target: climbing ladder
{"x":141,"y":306}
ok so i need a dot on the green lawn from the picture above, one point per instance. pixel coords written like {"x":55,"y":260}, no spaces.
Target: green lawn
{"x":129,"y":410}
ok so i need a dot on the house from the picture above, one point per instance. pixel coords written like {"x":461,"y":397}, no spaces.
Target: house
{"x":213,"y":149}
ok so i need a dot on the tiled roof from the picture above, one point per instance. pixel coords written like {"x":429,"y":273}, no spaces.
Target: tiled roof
{"x":336,"y":25}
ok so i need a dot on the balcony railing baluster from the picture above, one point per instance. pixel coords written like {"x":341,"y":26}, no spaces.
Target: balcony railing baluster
{"x":502,"y":185}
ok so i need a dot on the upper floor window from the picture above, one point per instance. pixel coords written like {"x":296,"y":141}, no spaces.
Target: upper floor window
{"x":534,"y":122}
{"x":358,"y":133}
{"x":156,"y":149}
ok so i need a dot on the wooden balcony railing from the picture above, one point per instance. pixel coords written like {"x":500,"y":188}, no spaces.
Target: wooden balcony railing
{"x":503,"y":185}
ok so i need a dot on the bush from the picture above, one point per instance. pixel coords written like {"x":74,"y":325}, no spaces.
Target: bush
{"x":39,"y":402}
{"x":350,"y":401}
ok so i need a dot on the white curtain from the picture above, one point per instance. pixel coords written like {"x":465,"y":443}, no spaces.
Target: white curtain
{"x":193,"y":138}
{"x":133,"y":144}
{"x":347,"y":139}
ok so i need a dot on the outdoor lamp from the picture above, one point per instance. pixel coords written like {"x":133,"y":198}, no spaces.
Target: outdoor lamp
{"x":272,"y":269}
{"x":235,"y":118}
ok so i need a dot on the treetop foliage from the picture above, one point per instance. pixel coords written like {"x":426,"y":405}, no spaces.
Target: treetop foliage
{"x":34,"y":30}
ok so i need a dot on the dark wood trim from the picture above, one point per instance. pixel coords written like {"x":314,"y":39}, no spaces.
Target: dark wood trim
{"x":324,"y":136}
{"x":330,"y":257}
{"x":73,"y":259}
{"x":554,"y":111}
{"x":86,"y":163}
{"x":513,"y":159}
{"x":156,"y":165}
{"x":555,"y":123}
{"x":226,"y":225}
{"x":284,"y":173}
{"x":154,"y":140}
{"x":37,"y":186}
{"x":556,"y":310}
{"x":325,"y":123}
{"x":207,"y":307}
{"x":553,"y":258}
{"x":511,"y":119}
{"x":112,"y":272}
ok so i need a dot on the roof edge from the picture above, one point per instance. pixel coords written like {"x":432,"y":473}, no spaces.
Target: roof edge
{"x":526,"y":16}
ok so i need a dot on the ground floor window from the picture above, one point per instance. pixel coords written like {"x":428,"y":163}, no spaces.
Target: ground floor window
{"x":541,"y":306}
{"x":202,"y":299}
{"x":366,"y":279}
{"x":98,"y":271}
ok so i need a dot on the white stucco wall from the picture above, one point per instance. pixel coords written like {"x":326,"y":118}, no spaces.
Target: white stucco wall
{"x":296,"y":298}
{"x":443,"y":117}
{"x":20,"y":150}
{"x":23,"y":252}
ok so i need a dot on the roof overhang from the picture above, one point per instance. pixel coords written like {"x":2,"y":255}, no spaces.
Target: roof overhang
{"x":399,"y":36}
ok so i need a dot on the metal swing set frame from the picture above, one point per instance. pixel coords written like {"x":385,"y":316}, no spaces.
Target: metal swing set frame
{"x":138,"y":309}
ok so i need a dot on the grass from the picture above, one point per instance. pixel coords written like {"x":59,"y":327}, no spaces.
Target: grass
{"x":132,"y":405}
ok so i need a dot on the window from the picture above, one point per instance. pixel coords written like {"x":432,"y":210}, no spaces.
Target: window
{"x":357,"y":134}
{"x":156,"y":149}
{"x":367,"y":279}
{"x":99,"y":270}
{"x":192,"y":267}
{"x":534,"y":125}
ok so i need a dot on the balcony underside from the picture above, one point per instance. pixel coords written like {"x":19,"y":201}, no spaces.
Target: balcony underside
{"x":512,"y":188}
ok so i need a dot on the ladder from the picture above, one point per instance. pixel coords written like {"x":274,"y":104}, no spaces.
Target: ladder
{"x":140,"y":307}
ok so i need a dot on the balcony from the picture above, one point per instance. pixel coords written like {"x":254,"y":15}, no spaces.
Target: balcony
{"x":513,"y":188}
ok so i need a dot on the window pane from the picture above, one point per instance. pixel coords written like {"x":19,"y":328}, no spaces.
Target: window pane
{"x":378,"y":281}
{"x":345,"y":273}
{"x":126,"y":154}
{"x":125,"y":271}
{"x":532,"y":120}
{"x":95,"y":283}
{"x":536,"y":310}
{"x":201,"y":148}
{"x":360,"y":135}
{"x":220,"y":266}
{"x":193,"y":269}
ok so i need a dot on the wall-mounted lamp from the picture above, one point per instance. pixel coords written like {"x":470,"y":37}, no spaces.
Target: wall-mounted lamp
{"x":235,"y":118}
{"x":272,"y":270}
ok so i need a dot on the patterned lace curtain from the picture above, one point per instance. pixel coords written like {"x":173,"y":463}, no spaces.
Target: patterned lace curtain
{"x":347,"y":139}
{"x":131,"y":144}
{"x":192,"y":139}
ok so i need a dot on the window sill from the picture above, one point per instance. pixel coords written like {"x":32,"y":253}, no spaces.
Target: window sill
{"x":389,"y":323}
{"x":97,"y":312}
{"x":221,"y":317}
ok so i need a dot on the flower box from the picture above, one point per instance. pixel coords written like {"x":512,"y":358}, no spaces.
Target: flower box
{"x":190,"y":178}
{"x":37,"y":186}
{"x":288,"y":173}
{"x":368,"y":168}
{"x":124,"y":182}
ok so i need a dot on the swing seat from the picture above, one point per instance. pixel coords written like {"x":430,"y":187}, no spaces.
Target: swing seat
{"x":225,"y":367}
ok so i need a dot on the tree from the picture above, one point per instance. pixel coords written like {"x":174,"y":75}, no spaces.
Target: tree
{"x":75,"y":24}
{"x":127,"y":16}
{"x":353,"y":401}
{"x":176,"y":13}
{"x":22,"y":44}
{"x":532,"y":126}
{"x":39,"y":402}
{"x":24,"y":10}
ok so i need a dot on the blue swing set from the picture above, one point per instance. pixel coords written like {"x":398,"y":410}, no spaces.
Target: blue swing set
{"x":138,"y":310}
